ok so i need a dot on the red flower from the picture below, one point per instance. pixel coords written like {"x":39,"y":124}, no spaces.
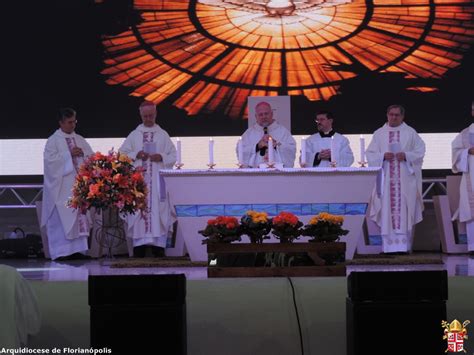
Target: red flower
{"x":285,"y":218}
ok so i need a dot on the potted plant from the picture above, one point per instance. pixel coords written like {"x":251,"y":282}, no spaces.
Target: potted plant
{"x":286,"y":227}
{"x":325,"y":227}
{"x":256,"y":225}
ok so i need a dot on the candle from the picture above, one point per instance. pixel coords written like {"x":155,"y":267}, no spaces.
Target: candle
{"x":362,"y":149}
{"x":178,"y":151}
{"x":211,"y":151}
{"x":240,"y":151}
{"x":271,"y":159}
{"x":303,"y":151}
{"x":333,"y":150}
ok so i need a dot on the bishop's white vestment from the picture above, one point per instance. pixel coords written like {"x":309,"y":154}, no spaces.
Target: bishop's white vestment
{"x":155,"y":225}
{"x":315,"y":143}
{"x":67,"y":229}
{"x":463,"y":162}
{"x":400,"y":205}
{"x":285,"y":150}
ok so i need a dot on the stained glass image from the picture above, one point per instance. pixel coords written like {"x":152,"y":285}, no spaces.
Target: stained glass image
{"x":209,"y":55}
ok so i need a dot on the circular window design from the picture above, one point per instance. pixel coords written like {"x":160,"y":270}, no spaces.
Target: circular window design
{"x":210,"y":55}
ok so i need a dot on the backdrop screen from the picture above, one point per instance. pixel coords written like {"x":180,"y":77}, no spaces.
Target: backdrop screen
{"x":199,"y":61}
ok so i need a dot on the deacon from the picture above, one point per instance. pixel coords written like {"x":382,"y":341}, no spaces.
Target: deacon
{"x":151,"y":148}
{"x":67,"y":229}
{"x":463,"y":162}
{"x":399,"y":150}
{"x":318,"y":146}
{"x":255,"y":140}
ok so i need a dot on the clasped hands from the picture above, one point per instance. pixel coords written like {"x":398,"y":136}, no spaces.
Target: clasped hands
{"x":263,"y":142}
{"x":153,"y":157}
{"x":400,"y":156}
{"x":325,"y":154}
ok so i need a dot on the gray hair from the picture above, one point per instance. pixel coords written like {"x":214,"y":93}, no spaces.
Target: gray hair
{"x":400,"y":107}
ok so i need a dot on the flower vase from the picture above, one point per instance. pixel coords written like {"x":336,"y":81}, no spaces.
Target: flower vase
{"x":110,"y":234}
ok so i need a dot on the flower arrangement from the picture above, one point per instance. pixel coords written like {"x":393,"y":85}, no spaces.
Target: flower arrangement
{"x":286,"y":227}
{"x":325,"y":227}
{"x":222,"y":229}
{"x":109,"y":181}
{"x":256,"y":225}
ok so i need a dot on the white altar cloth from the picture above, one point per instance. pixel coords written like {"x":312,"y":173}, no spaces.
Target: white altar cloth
{"x":199,"y":195}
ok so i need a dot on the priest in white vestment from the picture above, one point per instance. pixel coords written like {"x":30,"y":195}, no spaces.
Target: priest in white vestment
{"x":399,"y":150}
{"x":255,"y":140}
{"x":463,"y":162}
{"x":318,"y":146}
{"x":151,"y":148}
{"x":67,"y":229}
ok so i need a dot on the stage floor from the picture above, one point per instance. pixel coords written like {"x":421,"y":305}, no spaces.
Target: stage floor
{"x":79,"y":270}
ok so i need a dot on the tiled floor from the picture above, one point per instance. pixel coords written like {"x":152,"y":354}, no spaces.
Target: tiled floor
{"x":46,"y":270}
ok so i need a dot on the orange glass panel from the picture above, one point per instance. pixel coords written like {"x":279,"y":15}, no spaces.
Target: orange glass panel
{"x":240,"y":50}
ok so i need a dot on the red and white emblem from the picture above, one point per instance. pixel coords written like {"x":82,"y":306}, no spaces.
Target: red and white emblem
{"x":455,"y":342}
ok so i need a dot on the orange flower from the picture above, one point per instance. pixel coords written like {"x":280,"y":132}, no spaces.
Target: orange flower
{"x":137,"y":177}
{"x":94,"y":190}
{"x":98,"y":156}
{"x":285,"y":218}
{"x":211,"y":222}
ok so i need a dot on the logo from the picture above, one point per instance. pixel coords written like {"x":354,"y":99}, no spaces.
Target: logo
{"x":455,"y":333}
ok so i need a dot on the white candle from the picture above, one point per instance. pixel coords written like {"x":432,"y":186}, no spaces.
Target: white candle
{"x":303,"y":151}
{"x":240,"y":151}
{"x":333,"y":150}
{"x":178,"y":151}
{"x":362,"y":149}
{"x":271,"y":159}
{"x":211,"y":151}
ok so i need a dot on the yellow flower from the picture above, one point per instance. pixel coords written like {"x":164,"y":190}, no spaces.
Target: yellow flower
{"x":124,"y":158}
{"x":115,"y":165}
{"x":258,"y":217}
{"x":137,"y":193}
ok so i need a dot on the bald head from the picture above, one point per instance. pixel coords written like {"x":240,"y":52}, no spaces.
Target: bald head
{"x":264,"y":114}
{"x":148,"y":113}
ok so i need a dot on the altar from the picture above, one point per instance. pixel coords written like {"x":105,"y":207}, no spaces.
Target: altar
{"x":199,"y":195}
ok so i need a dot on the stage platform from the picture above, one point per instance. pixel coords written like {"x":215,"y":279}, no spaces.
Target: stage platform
{"x":79,"y":270}
{"x":230,"y":316}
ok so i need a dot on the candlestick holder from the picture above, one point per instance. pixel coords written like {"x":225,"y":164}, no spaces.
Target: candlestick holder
{"x":178,"y":166}
{"x":211,"y":166}
{"x":240,"y":166}
{"x":270,"y":165}
{"x":363,"y":164}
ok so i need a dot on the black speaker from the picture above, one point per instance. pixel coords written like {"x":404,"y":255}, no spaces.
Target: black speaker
{"x":398,"y":286}
{"x":138,"y":314}
{"x":402,"y":310}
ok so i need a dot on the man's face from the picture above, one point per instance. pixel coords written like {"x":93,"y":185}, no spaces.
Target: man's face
{"x":68,"y":125}
{"x":264,"y":115}
{"x":394,"y":117}
{"x":324,"y":123}
{"x":472,"y":109}
{"x":148,"y":115}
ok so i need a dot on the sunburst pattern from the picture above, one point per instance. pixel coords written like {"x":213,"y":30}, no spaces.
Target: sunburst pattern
{"x":209,"y":55}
